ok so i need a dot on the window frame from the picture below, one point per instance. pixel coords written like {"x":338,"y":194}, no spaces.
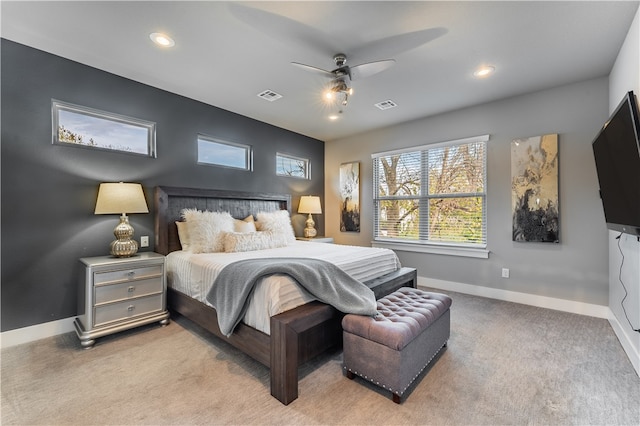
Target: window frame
{"x":424,"y":245}
{"x":306,"y":161}
{"x":109,"y":125}
{"x":248,"y":152}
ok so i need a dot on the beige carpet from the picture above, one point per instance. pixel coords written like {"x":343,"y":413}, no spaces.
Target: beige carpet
{"x":505,"y":364}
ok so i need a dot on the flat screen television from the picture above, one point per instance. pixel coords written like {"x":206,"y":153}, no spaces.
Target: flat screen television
{"x":617,"y":153}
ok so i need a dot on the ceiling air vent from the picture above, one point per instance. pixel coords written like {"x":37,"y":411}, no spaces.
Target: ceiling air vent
{"x":386,"y":104}
{"x":269,"y":95}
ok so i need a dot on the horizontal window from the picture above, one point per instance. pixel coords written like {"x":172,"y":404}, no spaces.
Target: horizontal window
{"x":222,"y":153}
{"x":288,"y":165}
{"x":433,"y":194}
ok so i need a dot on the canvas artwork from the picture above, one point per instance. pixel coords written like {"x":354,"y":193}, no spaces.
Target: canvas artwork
{"x":350,"y":197}
{"x":534,"y":188}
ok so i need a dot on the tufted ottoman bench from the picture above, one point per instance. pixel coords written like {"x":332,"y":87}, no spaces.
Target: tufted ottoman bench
{"x":392,"y":348}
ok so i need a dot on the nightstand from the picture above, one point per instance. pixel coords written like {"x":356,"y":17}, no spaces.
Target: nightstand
{"x":119,"y":293}
{"x":318,"y":239}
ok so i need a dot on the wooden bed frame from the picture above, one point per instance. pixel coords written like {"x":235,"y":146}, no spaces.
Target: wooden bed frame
{"x":297,"y":335}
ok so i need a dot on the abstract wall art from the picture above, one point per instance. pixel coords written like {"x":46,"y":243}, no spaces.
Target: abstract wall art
{"x":350,"y":197}
{"x":534,"y":189}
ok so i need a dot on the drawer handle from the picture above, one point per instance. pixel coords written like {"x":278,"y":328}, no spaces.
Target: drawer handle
{"x":131,"y":274}
{"x":131,"y":289}
{"x":131,"y":308}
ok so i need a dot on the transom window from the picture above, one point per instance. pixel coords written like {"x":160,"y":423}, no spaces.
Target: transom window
{"x":223,"y":153}
{"x":432,"y":194}
{"x":288,"y":165}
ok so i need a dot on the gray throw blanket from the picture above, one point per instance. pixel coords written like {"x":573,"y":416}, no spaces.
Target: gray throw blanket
{"x":325,"y":281}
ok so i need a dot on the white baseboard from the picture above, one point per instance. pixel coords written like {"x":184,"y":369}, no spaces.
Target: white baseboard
{"x":625,"y":341}
{"x":581,"y":308}
{"x":53,"y":328}
{"x":35,"y":332}
{"x":597,"y":311}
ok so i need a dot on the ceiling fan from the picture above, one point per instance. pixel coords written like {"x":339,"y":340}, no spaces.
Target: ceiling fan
{"x":342,"y":76}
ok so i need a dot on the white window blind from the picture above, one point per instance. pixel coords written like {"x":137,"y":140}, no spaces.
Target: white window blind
{"x":432,"y":194}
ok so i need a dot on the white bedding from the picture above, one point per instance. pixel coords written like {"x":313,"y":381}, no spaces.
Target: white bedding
{"x":193,"y":274}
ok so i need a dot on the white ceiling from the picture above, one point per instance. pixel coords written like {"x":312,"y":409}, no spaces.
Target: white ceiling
{"x":228,"y":52}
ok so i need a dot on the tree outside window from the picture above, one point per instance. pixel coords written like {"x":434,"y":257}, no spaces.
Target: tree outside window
{"x":433,"y":194}
{"x":288,"y":165}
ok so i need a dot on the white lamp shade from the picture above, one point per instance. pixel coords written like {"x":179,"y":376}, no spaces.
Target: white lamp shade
{"x":121,"y":198}
{"x":309,"y":204}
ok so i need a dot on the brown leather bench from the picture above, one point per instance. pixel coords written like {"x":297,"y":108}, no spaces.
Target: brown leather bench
{"x":394,"y":347}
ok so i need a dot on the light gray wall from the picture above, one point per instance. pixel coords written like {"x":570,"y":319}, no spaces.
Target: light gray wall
{"x":576,"y":269}
{"x":625,"y":76}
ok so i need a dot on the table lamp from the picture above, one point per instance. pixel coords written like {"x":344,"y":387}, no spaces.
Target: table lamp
{"x":310,"y":204}
{"x":116,"y":198}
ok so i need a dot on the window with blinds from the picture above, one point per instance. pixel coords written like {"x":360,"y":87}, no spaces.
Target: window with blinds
{"x":433,"y":194}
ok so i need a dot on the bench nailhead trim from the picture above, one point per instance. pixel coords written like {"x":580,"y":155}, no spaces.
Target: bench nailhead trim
{"x":409,"y":384}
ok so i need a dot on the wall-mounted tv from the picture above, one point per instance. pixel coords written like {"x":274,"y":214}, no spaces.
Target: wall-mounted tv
{"x":617,"y":153}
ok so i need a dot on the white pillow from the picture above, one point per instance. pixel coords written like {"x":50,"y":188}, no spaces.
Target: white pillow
{"x":278,"y":222}
{"x":246,"y":225}
{"x":250,"y":241}
{"x":183,"y":235}
{"x":206,"y":230}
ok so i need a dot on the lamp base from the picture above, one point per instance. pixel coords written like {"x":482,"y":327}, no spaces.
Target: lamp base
{"x":123,"y":246}
{"x":310,"y":230}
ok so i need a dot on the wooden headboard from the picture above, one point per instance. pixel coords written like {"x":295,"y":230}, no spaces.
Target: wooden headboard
{"x":169,"y":202}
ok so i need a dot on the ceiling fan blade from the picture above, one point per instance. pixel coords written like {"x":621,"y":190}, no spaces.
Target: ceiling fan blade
{"x":370,"y":68}
{"x":395,"y":45}
{"x":314,"y":70}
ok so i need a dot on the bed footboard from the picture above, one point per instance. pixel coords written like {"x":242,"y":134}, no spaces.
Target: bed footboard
{"x":297,"y":335}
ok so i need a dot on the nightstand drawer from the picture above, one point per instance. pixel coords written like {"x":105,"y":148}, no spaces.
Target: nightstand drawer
{"x":127,"y":275}
{"x":115,"y":292}
{"x":111,"y":312}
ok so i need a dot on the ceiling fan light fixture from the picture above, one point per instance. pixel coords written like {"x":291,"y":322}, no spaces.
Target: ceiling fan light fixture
{"x":329,"y":95}
{"x":338,"y":89}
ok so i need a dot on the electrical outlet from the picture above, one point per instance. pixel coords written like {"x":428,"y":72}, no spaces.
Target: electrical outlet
{"x":505,"y":272}
{"x":144,"y":241}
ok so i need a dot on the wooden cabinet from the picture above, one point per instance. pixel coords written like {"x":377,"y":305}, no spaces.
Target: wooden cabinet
{"x":116,"y":294}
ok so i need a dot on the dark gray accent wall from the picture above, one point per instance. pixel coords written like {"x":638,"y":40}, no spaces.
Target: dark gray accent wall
{"x":49,"y":191}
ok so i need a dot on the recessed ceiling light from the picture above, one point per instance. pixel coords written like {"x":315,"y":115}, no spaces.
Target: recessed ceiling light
{"x":335,"y":116}
{"x":162,"y":39}
{"x":484,"y":71}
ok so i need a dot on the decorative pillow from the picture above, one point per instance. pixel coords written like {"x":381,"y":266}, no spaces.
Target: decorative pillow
{"x":245,"y":225}
{"x":183,"y":235}
{"x":206,"y":230}
{"x":250,"y":241}
{"x":278,"y":222}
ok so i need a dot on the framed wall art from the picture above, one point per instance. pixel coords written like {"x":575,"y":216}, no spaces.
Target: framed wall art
{"x":534,"y":189}
{"x":350,"y":197}
{"x":75,"y":125}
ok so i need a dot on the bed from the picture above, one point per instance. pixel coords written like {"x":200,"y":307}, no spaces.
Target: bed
{"x":295,"y":336}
